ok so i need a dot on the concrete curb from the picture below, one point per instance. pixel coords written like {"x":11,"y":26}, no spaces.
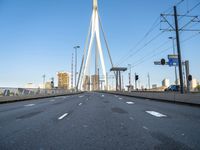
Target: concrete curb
{"x":11,"y":99}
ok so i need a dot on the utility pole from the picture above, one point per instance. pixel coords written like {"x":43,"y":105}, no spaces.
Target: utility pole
{"x":44,"y":76}
{"x":177,"y":29}
{"x":176,"y":77}
{"x":187,"y":70}
{"x":149,"y":83}
{"x":135,"y":82}
{"x":178,"y":50}
{"x":76,"y":47}
{"x":72,"y":71}
{"x":129,"y":65}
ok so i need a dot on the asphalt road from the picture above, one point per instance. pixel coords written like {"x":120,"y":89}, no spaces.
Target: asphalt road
{"x":95,"y":121}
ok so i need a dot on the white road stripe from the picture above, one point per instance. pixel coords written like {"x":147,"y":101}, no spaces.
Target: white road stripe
{"x":52,"y":100}
{"x":120,"y":98}
{"x":81,"y":96}
{"x":102,"y":95}
{"x":130,"y":103}
{"x":29,"y":105}
{"x":61,"y":117}
{"x":145,"y":128}
{"x":156,"y":114}
{"x":80,"y":104}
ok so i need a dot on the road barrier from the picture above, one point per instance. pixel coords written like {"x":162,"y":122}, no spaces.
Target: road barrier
{"x":189,"y":98}
{"x":9,"y":99}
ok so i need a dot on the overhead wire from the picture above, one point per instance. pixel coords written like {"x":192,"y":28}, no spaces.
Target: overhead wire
{"x":125,"y":58}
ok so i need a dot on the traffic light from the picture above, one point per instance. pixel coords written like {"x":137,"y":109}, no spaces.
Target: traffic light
{"x":136,"y":77}
{"x":162,"y":61}
{"x":189,"y":77}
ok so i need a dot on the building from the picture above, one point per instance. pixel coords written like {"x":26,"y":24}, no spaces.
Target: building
{"x":154,"y":86}
{"x":64,"y":80}
{"x":95,"y":82}
{"x":193,"y":84}
{"x":86,"y":83}
{"x":166,"y":83}
{"x":48,"y":85}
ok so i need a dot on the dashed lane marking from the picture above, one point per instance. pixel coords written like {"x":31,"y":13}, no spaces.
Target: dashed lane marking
{"x":145,"y":128}
{"x":29,"y":105}
{"x":156,"y":114}
{"x":80,"y":104}
{"x":130,"y":103}
{"x":61,"y":117}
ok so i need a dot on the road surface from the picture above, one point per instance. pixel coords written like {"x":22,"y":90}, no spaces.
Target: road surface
{"x":96,"y":121}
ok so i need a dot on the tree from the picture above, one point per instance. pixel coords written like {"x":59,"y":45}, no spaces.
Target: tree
{"x":198,"y":87}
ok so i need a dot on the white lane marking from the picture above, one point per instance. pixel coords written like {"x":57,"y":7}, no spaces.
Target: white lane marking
{"x":156,"y":114}
{"x":80,"y":104}
{"x":130,"y":103}
{"x":120,"y":98}
{"x":81,"y":96}
{"x":29,"y":105}
{"x":52,"y":100}
{"x":131,"y":118}
{"x":61,"y":117}
{"x":102,"y":95}
{"x":145,"y":128}
{"x":116,"y":96}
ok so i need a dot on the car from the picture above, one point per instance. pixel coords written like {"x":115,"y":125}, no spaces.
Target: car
{"x":173,"y":88}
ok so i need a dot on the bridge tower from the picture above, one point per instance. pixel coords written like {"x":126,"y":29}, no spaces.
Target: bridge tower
{"x":93,"y":39}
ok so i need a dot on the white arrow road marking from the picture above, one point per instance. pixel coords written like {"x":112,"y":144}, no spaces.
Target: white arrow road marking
{"x":61,"y":117}
{"x":156,"y":114}
{"x":130,"y":103}
{"x":29,"y":105}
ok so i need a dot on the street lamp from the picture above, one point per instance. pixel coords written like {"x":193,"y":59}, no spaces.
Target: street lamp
{"x":76,"y":47}
{"x":176,"y":78}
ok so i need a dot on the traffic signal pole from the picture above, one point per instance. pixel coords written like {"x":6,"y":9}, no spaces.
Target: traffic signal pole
{"x":178,"y":51}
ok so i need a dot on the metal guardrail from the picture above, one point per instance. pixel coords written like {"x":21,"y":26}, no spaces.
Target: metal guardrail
{"x":7,"y":91}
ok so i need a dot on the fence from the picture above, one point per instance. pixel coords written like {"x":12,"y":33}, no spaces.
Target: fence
{"x":7,"y":91}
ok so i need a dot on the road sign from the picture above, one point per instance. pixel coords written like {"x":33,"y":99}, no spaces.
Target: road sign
{"x":173,"y":60}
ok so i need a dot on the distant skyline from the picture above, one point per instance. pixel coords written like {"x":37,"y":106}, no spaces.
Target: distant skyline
{"x":37,"y":37}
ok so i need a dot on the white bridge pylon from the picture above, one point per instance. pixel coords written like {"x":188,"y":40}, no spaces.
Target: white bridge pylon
{"x":94,"y":38}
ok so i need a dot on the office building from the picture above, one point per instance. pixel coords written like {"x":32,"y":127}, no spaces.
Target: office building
{"x":64,"y":80}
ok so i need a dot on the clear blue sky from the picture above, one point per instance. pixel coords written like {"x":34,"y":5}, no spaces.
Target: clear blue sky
{"x":37,"y":37}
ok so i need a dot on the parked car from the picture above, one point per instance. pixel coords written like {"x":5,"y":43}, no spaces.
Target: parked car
{"x":173,"y":88}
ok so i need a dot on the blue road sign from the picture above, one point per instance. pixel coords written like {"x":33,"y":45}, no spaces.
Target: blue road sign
{"x":173,"y":60}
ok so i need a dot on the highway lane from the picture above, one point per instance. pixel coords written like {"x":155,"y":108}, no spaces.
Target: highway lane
{"x":98,"y":121}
